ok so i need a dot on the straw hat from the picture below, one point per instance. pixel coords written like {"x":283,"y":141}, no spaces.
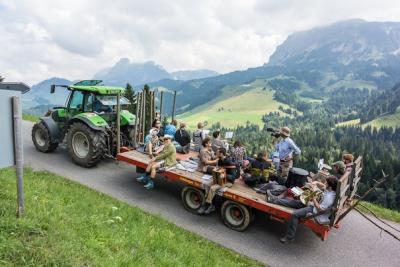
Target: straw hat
{"x":285,"y":131}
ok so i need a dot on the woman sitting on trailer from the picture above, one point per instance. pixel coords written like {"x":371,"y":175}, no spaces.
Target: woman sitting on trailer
{"x":166,"y":158}
{"x":152,"y":142}
{"x":322,"y":209}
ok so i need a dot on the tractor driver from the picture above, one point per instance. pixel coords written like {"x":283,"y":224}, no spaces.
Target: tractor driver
{"x":99,"y":107}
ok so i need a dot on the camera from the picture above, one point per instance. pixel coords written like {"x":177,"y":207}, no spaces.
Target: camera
{"x":274,"y":133}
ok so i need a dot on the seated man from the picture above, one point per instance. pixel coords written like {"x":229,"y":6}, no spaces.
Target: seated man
{"x":98,"y":107}
{"x":182,"y":136}
{"x":217,"y":142}
{"x":258,"y":170}
{"x":227,"y":163}
{"x":207,"y":161}
{"x":166,"y":158}
{"x":338,"y":169}
{"x":323,"y":209}
{"x":170,"y":129}
{"x":348,"y":161}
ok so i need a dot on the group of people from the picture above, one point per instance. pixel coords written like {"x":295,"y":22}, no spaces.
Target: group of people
{"x":163,"y":144}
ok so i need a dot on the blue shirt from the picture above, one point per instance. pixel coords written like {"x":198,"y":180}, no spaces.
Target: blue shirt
{"x":286,"y":147}
{"x":170,"y":129}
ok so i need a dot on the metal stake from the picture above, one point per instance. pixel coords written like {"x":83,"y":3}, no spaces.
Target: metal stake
{"x":16,"y":104}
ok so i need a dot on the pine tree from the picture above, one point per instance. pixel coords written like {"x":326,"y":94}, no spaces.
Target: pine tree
{"x":130,"y":95}
{"x":1,"y":78}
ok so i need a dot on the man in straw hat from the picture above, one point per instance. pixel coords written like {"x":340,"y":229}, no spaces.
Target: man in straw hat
{"x":287,"y":150}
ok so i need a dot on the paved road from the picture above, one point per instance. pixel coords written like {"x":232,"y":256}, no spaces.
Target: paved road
{"x":356,"y":243}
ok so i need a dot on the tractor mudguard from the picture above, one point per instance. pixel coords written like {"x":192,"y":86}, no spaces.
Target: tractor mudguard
{"x":127,"y":118}
{"x":53,"y":128}
{"x":92,"y":120}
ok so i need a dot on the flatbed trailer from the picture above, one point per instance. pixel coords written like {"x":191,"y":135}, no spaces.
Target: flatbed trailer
{"x":240,"y":201}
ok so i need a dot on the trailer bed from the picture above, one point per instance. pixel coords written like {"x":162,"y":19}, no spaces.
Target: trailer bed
{"x":239,"y":192}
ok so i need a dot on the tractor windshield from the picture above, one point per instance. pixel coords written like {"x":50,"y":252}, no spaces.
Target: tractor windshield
{"x":111,"y":100}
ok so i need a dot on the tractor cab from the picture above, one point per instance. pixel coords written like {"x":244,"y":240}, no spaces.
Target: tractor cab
{"x":88,"y":122}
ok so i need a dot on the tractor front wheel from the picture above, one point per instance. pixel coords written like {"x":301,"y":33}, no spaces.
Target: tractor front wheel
{"x":86,"y":147}
{"x":41,"y":138}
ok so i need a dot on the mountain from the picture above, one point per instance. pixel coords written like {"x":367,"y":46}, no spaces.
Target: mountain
{"x":352,"y":49}
{"x":312,"y":64}
{"x":135,"y":73}
{"x":140,"y":73}
{"x":40,"y":94}
{"x":186,"y":75}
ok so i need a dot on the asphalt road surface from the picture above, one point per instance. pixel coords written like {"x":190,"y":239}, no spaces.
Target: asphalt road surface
{"x":356,"y":243}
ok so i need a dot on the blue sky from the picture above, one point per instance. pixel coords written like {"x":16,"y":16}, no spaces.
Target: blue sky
{"x":75,"y":39}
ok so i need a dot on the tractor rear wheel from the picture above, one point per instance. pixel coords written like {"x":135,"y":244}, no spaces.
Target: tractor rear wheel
{"x":41,"y":138}
{"x":86,"y":147}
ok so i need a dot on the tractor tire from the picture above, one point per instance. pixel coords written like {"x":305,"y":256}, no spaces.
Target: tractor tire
{"x":41,"y":138}
{"x":85,"y":146}
{"x":236,"y":216}
{"x":192,"y":199}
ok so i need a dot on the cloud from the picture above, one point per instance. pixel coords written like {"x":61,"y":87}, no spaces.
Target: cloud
{"x":74,"y":39}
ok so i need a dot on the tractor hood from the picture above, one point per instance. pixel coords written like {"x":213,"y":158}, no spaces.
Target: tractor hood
{"x":127,"y":118}
{"x":98,"y":120}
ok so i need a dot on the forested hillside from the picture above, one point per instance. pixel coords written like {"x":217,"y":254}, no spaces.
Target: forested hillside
{"x":317,"y":136}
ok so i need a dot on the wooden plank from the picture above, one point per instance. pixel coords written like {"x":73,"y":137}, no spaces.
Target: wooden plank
{"x":358,"y":172}
{"x":358,"y":160}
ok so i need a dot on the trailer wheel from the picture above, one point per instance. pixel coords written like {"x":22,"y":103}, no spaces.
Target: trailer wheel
{"x":236,"y":216}
{"x":192,"y":199}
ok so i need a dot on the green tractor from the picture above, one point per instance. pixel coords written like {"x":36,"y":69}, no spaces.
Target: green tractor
{"x":88,"y":123}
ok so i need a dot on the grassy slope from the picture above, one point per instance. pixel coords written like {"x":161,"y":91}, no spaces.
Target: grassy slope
{"x":28,"y":117}
{"x":384,"y":213}
{"x":67,"y":224}
{"x":241,"y":104}
{"x":392,"y":120}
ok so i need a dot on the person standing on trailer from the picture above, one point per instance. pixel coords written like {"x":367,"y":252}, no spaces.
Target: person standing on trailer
{"x":287,"y":150}
{"x":166,"y":158}
{"x":198,"y":136}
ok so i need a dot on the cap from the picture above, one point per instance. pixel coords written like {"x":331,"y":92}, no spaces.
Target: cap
{"x":167,"y":136}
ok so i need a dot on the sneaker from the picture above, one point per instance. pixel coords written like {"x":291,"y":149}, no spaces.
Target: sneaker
{"x":286,"y":240}
{"x":149,"y":185}
{"x":209,"y":209}
{"x":201,"y":210}
{"x":142,"y":179}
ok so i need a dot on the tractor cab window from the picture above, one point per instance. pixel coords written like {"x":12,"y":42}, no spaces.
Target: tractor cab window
{"x":107,"y":103}
{"x":89,"y":103}
{"x":76,"y":100}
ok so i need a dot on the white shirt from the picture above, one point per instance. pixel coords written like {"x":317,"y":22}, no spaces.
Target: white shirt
{"x":327,"y":202}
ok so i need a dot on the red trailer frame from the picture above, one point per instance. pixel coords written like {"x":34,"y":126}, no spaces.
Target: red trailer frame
{"x":246,"y":198}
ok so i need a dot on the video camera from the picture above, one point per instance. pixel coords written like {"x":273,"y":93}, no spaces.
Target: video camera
{"x":274,"y":133}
